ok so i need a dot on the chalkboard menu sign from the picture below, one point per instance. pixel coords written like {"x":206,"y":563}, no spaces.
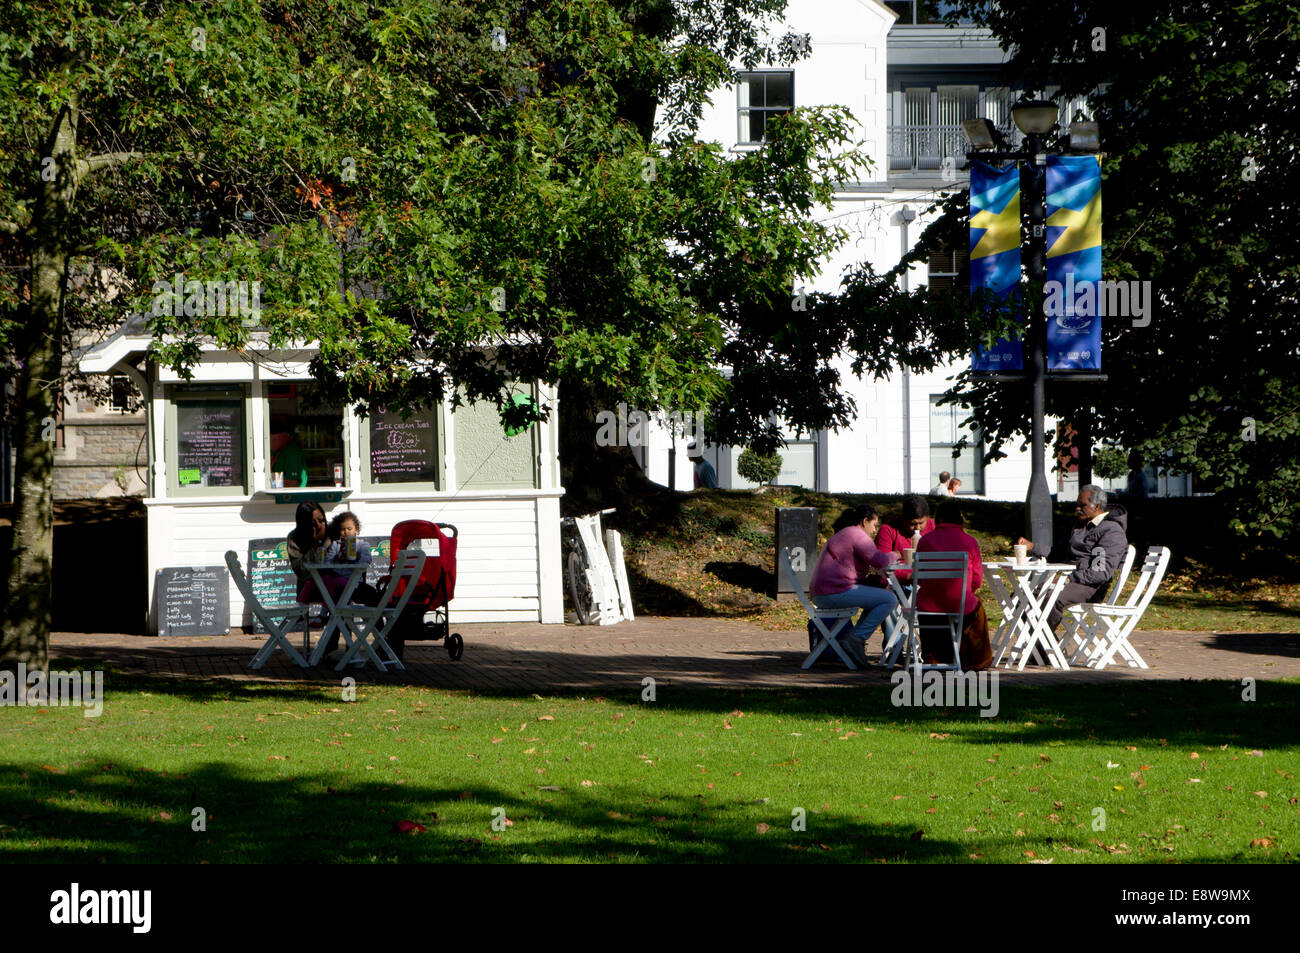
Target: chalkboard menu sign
{"x":402,"y":451}
{"x":274,"y":582}
{"x":210,"y":442}
{"x":193,"y":600}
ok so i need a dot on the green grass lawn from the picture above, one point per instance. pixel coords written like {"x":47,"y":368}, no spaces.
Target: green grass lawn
{"x":1184,"y":772}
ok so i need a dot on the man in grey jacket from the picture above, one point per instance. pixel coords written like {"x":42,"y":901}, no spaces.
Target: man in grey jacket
{"x":1096,"y":546}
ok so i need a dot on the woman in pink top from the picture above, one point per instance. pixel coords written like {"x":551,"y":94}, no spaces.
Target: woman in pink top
{"x":839,"y":579}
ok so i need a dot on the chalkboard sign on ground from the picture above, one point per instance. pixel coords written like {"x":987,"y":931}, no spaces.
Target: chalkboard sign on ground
{"x":193,"y":600}
{"x":796,"y":530}
{"x":402,"y":451}
{"x":274,"y":583}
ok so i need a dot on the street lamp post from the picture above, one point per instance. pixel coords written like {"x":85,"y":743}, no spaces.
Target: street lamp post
{"x":1036,"y":119}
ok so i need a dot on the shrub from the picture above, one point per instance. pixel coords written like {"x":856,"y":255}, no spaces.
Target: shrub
{"x":760,"y":468}
{"x":1109,"y":463}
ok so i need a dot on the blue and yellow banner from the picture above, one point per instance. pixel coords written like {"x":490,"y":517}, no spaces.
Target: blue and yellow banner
{"x":1072,"y":296}
{"x":995,"y":250}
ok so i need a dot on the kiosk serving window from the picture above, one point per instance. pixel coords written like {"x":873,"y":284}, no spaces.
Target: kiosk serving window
{"x":305,"y":438}
{"x":207,"y":441}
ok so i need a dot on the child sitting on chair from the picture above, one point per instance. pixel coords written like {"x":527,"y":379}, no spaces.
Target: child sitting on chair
{"x":345,"y":548}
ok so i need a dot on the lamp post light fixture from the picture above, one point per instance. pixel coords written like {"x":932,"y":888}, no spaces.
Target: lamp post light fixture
{"x":1035,"y":118}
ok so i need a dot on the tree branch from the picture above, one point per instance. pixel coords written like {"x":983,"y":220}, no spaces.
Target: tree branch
{"x":106,"y":160}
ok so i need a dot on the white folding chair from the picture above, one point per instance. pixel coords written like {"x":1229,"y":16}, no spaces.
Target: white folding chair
{"x":279,"y":621}
{"x":1108,"y":627}
{"x":934,"y":566}
{"x":366,"y":628}
{"x":1073,"y":617}
{"x":842,"y":619}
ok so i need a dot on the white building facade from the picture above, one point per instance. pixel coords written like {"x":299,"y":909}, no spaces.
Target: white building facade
{"x":909,"y":85}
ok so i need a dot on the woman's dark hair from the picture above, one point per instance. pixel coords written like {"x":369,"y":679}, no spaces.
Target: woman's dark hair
{"x":915,"y":508}
{"x":950,"y":512}
{"x":854,"y":515}
{"x":303,"y":533}
{"x":336,"y":524}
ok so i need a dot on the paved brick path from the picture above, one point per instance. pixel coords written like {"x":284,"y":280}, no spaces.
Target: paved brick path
{"x":674,"y":651}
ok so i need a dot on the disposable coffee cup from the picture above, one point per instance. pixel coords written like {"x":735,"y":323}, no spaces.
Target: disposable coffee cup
{"x":907,"y":557}
{"x":1022,"y":555}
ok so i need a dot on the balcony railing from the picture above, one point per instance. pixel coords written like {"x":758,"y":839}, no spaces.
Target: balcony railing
{"x":917,"y":148}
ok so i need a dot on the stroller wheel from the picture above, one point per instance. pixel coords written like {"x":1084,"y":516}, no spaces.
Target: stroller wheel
{"x":455,"y":645}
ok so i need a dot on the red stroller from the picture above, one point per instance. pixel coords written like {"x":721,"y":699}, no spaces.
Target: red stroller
{"x":433,"y":590}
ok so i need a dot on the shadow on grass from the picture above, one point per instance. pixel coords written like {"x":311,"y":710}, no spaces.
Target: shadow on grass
{"x":321,"y":818}
{"x":1128,"y":711}
{"x":744,"y":576}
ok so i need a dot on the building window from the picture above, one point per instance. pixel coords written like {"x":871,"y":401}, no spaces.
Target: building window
{"x":946,"y":431}
{"x":403,"y":449}
{"x":912,"y":12}
{"x":762,"y":96}
{"x":207,"y":441}
{"x":120,"y":391}
{"x":945,"y":268}
{"x":305,"y":441}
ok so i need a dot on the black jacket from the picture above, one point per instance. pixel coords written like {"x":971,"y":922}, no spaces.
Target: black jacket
{"x":1097,"y":551}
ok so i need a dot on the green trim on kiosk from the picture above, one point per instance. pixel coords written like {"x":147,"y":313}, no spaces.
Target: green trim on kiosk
{"x":298,"y":494}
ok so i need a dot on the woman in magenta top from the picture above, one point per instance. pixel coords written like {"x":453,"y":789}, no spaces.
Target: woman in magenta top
{"x":839,"y":579}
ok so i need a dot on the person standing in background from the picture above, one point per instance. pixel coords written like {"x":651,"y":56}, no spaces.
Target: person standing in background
{"x":942,"y":488}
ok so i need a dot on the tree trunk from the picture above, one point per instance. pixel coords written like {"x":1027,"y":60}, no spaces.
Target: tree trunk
{"x":29,"y":598}
{"x":597,"y":477}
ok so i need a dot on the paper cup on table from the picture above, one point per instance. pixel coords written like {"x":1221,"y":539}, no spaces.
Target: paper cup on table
{"x":907,"y":557}
{"x":1022,"y":555}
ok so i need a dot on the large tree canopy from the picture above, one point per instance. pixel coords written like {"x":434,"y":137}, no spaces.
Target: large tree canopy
{"x":448,"y":197}
{"x":1200,"y":124}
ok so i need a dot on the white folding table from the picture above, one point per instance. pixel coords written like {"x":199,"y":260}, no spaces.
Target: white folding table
{"x":1027,"y":594}
{"x":357,"y":572}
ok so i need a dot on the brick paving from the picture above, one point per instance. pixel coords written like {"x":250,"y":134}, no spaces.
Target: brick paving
{"x":720,"y":653}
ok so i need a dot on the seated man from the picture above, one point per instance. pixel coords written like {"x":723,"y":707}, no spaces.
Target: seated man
{"x":1096,"y":546}
{"x":943,"y":595}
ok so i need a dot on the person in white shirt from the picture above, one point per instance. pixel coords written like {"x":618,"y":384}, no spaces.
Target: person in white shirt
{"x":942,"y":488}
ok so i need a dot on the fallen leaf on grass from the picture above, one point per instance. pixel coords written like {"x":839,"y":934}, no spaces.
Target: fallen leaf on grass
{"x":1265,"y":842}
{"x":408,"y":827}
{"x":1255,"y":754}
{"x":1261,"y":794}
{"x":546,"y":718}
{"x":587,"y":784}
{"x":972,"y":830}
{"x":935,"y":734}
{"x":762,"y":828}
{"x":277,"y":757}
